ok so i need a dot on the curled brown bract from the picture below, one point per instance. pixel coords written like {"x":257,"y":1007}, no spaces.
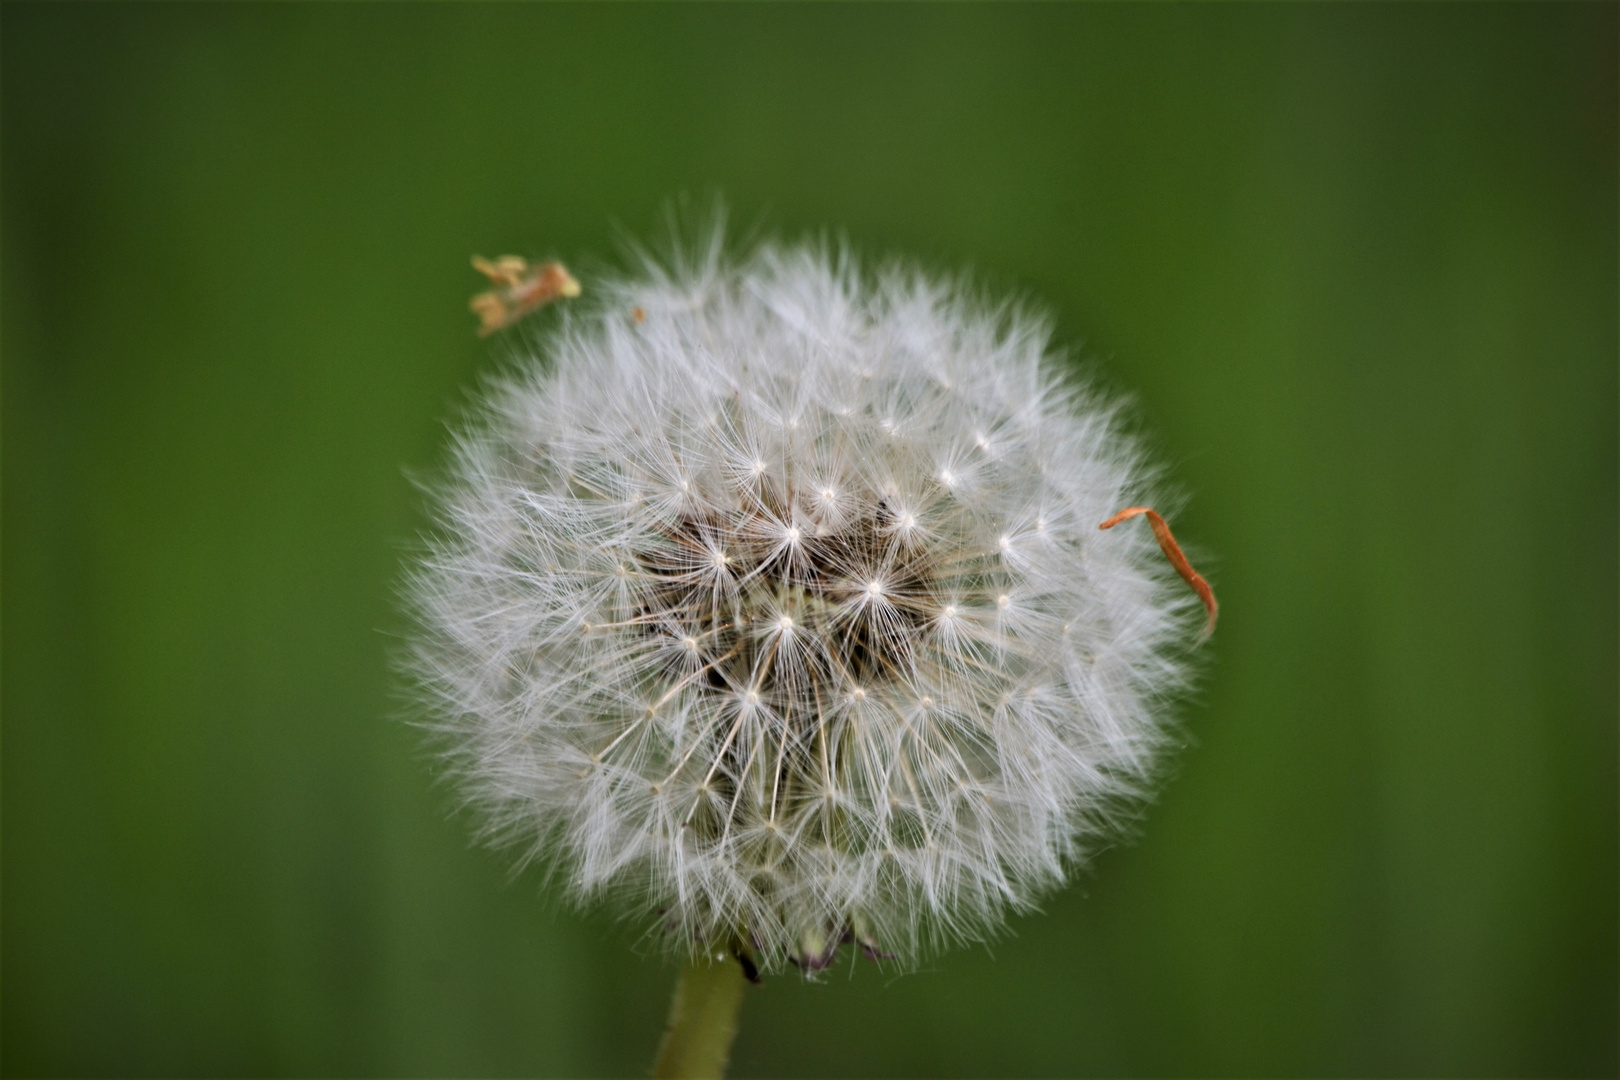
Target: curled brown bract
{"x":1173,"y":552}
{"x":520,"y":289}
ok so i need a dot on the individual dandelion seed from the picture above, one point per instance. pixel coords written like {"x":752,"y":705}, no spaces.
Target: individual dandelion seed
{"x":771,"y":598}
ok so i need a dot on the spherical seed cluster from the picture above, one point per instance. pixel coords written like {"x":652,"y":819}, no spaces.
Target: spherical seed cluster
{"x":773,"y":598}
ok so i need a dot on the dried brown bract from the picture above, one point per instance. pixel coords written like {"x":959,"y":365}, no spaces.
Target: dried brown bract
{"x":520,"y":289}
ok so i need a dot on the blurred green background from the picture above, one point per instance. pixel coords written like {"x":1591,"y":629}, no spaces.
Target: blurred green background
{"x":1357,"y":264}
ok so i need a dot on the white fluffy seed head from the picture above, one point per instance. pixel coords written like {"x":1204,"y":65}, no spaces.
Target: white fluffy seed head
{"x":780,"y":609}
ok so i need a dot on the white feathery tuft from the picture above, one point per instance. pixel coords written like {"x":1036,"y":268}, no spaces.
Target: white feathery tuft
{"x":770,"y":595}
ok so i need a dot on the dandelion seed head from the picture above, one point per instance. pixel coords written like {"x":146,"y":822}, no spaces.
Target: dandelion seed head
{"x":766,"y":701}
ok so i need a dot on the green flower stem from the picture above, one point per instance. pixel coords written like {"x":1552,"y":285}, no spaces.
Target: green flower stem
{"x":702,"y":1020}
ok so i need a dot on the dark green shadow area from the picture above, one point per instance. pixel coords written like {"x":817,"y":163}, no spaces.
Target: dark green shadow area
{"x":1356,"y":263}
